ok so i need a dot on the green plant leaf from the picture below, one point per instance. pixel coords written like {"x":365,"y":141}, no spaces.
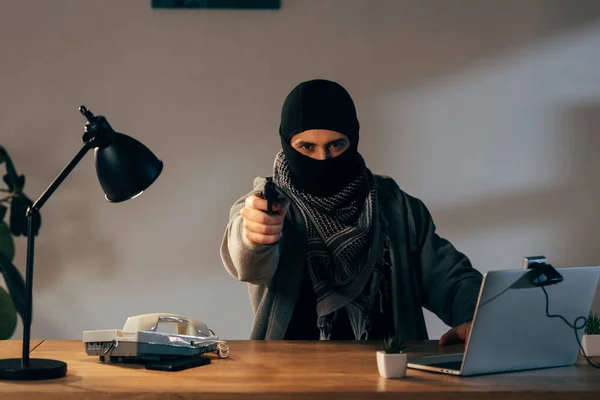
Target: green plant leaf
{"x":7,"y":245}
{"x":18,"y":216}
{"x":20,"y":183}
{"x":13,"y":301}
{"x":14,"y":182}
{"x":8,"y":315}
{"x":8,"y":181}
{"x":393,"y":344}
{"x":592,"y":326}
{"x":15,"y":283}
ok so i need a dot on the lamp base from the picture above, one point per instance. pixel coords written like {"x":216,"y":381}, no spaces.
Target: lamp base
{"x":38,"y":369}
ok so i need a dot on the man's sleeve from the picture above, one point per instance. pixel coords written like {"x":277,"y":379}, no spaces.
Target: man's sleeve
{"x":245,"y":261}
{"x":450,"y":283}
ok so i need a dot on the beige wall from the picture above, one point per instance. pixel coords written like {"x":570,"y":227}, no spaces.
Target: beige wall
{"x":489,"y":111}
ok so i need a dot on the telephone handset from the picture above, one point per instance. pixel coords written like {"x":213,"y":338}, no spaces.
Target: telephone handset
{"x":140,"y":340}
{"x":150,"y":322}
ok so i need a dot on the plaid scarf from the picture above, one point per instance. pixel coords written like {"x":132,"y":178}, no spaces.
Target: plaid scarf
{"x":345,"y":260}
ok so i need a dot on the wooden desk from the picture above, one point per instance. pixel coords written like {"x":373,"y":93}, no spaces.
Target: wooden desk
{"x":308,"y":370}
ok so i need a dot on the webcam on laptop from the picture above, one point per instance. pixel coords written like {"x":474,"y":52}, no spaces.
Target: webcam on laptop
{"x":542,"y":273}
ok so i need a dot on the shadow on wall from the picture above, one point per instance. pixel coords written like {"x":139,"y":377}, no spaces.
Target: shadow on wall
{"x":444,"y":50}
{"x":67,"y":237}
{"x":574,"y":207}
{"x":74,"y":241}
{"x":461,"y":35}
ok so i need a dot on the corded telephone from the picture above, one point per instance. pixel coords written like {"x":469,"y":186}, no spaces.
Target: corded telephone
{"x":139,"y":340}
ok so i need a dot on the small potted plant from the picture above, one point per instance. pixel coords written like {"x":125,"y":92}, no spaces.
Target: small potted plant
{"x":391,"y":362}
{"x":591,"y":336}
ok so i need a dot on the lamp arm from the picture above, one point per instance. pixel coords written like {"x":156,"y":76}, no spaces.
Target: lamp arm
{"x":39,"y":203}
{"x":32,"y":213}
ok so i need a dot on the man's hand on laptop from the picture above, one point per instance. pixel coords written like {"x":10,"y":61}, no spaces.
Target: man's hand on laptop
{"x":460,"y":334}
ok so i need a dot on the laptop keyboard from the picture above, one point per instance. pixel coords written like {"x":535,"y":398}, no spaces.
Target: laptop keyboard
{"x":455,"y":365}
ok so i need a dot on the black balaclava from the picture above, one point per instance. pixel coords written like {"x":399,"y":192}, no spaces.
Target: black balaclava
{"x":320,"y":104}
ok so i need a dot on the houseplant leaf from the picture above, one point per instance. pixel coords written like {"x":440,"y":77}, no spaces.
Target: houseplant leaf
{"x":8,"y":315}
{"x":14,"y":182}
{"x":592,"y":326}
{"x":393,"y":345}
{"x":15,"y":283}
{"x":18,"y":216}
{"x":17,"y":226}
{"x":7,"y":245}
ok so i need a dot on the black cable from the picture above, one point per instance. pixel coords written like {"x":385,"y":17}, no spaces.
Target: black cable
{"x":38,"y":345}
{"x":111,"y":347}
{"x":572,"y":326}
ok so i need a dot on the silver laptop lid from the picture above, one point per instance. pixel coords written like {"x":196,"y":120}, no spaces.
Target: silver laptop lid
{"x":511,"y":331}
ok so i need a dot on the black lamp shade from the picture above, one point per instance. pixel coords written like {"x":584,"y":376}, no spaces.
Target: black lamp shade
{"x":126,"y":168}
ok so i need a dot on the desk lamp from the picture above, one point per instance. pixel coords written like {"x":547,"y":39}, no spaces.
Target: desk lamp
{"x":125,"y":168}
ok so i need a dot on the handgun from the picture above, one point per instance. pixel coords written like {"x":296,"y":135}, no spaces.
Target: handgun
{"x":270,"y":194}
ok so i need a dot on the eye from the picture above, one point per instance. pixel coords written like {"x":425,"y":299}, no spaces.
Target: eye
{"x":338,"y":145}
{"x":307,"y":146}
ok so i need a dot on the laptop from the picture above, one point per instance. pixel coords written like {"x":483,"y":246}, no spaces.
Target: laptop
{"x":510,"y":329}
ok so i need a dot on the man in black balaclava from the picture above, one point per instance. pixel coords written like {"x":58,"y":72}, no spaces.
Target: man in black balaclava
{"x":345,"y":254}
{"x":320,"y":105}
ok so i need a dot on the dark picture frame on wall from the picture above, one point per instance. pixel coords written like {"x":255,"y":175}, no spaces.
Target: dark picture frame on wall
{"x":245,"y":4}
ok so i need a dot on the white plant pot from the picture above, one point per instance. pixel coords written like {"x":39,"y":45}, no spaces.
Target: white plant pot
{"x":391,"y":365}
{"x":591,"y":345}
